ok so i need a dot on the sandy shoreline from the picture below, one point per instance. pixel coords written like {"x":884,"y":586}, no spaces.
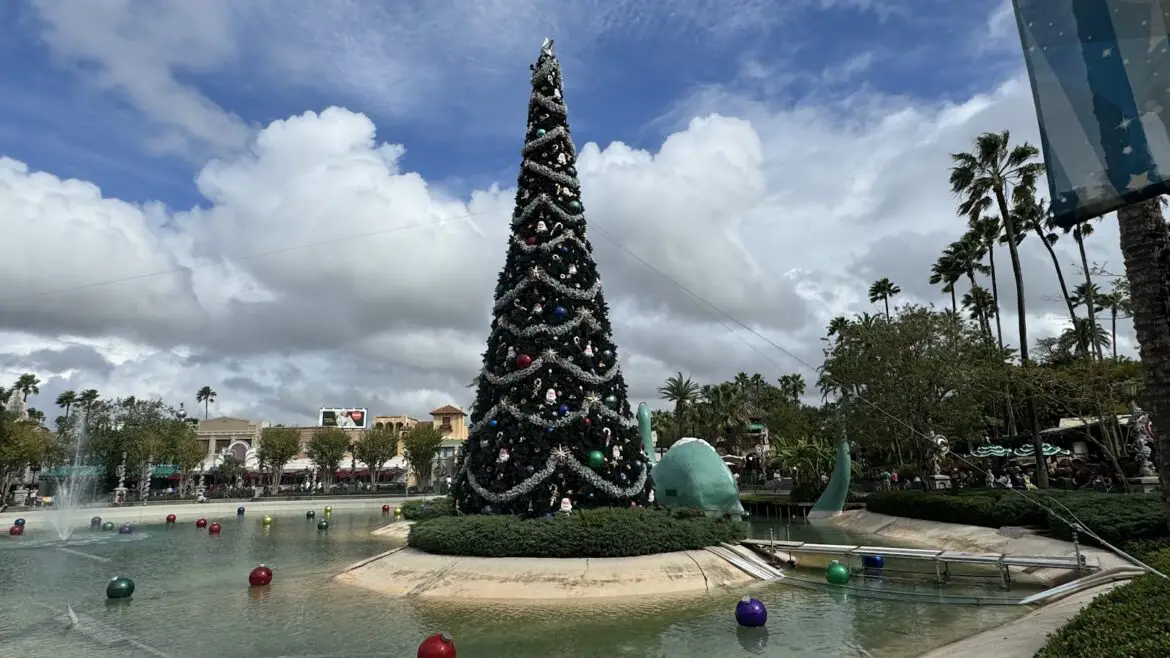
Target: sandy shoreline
{"x":411,"y":573}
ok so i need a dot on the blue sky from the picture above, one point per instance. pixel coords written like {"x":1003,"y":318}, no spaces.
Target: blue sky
{"x":66,"y":105}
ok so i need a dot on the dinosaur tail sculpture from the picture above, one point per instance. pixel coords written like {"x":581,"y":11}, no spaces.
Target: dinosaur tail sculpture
{"x":836,"y":494}
{"x":647,"y":436}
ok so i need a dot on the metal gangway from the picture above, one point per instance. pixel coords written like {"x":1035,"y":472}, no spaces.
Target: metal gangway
{"x":1079,"y":564}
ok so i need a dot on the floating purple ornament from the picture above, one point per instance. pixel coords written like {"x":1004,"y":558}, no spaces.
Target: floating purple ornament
{"x":750,"y":612}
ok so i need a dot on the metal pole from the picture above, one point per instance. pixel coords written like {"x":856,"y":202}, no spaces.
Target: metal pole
{"x":1076,"y":550}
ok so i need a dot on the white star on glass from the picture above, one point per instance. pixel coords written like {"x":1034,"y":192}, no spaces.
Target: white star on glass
{"x":1138,"y":181}
{"x":1124,"y":125}
{"x":1127,"y":150}
{"x":1108,"y":52}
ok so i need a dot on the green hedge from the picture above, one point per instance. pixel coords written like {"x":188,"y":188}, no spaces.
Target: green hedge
{"x":1131,"y":621}
{"x":1116,"y":518}
{"x":616,"y":532}
{"x":418,"y":510}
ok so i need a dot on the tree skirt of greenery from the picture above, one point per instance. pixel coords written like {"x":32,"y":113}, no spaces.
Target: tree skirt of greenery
{"x":1131,"y":621}
{"x":603,"y":532}
{"x":420,"y":510}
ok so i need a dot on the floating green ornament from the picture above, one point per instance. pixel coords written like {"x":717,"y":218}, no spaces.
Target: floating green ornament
{"x":611,"y":401}
{"x":120,"y":587}
{"x":596,"y":459}
{"x":837,"y":573}
{"x":108,"y":526}
{"x":322,"y":525}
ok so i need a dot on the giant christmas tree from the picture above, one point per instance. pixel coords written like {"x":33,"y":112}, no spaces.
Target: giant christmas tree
{"x":551,"y":420}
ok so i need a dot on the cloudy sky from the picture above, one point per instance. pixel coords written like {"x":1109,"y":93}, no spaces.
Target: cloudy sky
{"x":308,"y":207}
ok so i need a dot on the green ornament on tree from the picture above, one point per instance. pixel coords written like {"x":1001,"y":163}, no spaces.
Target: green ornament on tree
{"x":540,"y":132}
{"x":837,"y":573}
{"x":611,"y":401}
{"x":596,"y":459}
{"x":575,"y":205}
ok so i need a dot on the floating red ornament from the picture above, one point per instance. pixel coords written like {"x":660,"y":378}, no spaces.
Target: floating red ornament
{"x":260,"y":576}
{"x":214,"y":528}
{"x":17,"y":531}
{"x":523,"y":361}
{"x":200,"y":523}
{"x":385,"y":509}
{"x":171,"y":518}
{"x":436,"y":646}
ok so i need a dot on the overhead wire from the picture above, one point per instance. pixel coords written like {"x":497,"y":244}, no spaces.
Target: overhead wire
{"x":725,"y":319}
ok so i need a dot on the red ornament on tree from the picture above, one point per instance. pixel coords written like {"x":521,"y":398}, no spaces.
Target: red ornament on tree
{"x":588,"y":421}
{"x":530,"y":241}
{"x":436,"y":646}
{"x":523,"y":361}
{"x":260,"y":576}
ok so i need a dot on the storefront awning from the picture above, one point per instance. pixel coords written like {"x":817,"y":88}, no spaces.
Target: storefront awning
{"x":1023,"y":451}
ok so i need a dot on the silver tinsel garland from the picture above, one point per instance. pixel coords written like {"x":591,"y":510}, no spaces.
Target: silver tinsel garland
{"x":561,"y":421}
{"x":549,"y":172}
{"x":548,"y":358}
{"x":543,"y":199}
{"x":559,"y":457}
{"x":536,"y":275}
{"x":584,"y":317}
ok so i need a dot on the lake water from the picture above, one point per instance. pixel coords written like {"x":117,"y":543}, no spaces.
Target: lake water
{"x":193,"y":601}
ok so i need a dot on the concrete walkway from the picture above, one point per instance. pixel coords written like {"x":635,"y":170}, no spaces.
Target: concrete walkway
{"x":188,"y":512}
{"x":1023,"y":637}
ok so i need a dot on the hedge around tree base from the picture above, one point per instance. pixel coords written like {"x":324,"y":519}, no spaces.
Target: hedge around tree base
{"x":1131,"y":621}
{"x":606,"y":532}
{"x":1117,"y":518}
{"x":419,"y":510}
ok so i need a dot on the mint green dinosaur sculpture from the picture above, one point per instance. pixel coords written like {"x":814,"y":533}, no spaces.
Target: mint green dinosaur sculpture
{"x":690,"y":474}
{"x":836,"y":494}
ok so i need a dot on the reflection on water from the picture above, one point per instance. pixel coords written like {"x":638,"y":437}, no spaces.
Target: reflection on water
{"x":192,"y":599}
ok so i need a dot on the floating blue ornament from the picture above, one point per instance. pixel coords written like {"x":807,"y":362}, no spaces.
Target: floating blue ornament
{"x":873,"y":562}
{"x":750,"y":612}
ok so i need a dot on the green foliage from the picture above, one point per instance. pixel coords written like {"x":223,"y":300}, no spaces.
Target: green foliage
{"x":602,"y":532}
{"x":278,"y":445}
{"x":22,"y":444}
{"x":376,"y":447}
{"x":420,"y":446}
{"x":420,"y":510}
{"x":142,"y":430}
{"x":327,"y":449}
{"x":1116,"y":518}
{"x":1131,"y":621}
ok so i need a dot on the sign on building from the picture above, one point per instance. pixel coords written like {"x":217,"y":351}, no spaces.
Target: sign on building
{"x":344,"y":417}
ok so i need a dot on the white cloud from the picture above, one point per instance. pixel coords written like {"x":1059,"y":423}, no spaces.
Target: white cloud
{"x":322,"y":270}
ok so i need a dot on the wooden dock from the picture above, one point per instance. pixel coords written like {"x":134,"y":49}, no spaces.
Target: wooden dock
{"x":941,"y":559}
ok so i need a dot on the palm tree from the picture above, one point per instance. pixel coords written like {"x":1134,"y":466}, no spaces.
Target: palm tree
{"x":682,"y":391}
{"x":792,"y":387}
{"x":881,"y":291}
{"x":87,"y":399}
{"x":944,"y":271}
{"x":1145,"y":242}
{"x":988,"y":177}
{"x":1035,"y":216}
{"x":66,"y":400}
{"x":837,"y":324}
{"x":28,"y":384}
{"x":1117,"y":301}
{"x":1074,"y":339}
{"x":986,"y":232}
{"x":981,"y":306}
{"x":1079,"y":233}
{"x":206,"y":395}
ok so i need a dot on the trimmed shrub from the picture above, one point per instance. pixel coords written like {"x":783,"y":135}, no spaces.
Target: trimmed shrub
{"x":606,"y":532}
{"x":1116,"y":518}
{"x":418,"y":510}
{"x":1131,"y":621}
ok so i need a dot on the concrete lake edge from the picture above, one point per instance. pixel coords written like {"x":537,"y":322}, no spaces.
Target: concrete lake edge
{"x":1019,"y":638}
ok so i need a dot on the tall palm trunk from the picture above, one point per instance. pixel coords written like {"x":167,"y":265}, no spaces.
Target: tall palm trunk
{"x":1145,"y":247}
{"x":1072,"y":310}
{"x":1113,"y":331}
{"x":954,"y":300}
{"x":995,"y":295}
{"x":887,"y":302}
{"x":1090,"y":303}
{"x":1022,"y":311}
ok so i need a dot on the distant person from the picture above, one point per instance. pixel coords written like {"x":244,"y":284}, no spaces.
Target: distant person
{"x":345,"y":420}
